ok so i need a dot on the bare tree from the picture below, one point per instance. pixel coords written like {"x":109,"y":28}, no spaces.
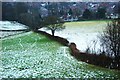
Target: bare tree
{"x":110,"y":40}
{"x":54,"y":23}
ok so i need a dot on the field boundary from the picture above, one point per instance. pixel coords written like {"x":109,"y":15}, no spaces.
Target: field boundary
{"x":15,"y":35}
{"x":98,"y":60}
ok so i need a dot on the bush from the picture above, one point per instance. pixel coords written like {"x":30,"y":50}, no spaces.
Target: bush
{"x":110,"y":40}
{"x":63,"y":41}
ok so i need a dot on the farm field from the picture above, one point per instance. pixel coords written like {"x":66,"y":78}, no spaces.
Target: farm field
{"x":11,"y":25}
{"x":32,"y":55}
{"x":83,"y":33}
{"x":60,"y":40}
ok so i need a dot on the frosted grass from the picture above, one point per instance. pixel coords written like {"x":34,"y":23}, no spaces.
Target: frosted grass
{"x":35,"y":56}
{"x":41,"y":60}
{"x":18,"y":64}
{"x":13,"y":25}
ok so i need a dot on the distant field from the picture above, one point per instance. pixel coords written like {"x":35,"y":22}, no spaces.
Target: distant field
{"x":87,"y":26}
{"x":84,"y":27}
{"x":35,"y":56}
{"x":83,"y":33}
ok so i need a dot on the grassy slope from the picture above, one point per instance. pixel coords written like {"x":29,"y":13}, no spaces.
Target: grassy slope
{"x":35,"y":55}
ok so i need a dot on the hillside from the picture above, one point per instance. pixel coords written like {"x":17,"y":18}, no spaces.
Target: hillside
{"x":33,"y":55}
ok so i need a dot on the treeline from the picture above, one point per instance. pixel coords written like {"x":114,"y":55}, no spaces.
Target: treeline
{"x":13,"y":10}
{"x":100,"y":14}
{"x":22,"y":13}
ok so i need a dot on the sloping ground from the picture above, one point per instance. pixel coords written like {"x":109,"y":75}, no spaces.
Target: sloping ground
{"x":9,"y":28}
{"x":35,"y":56}
{"x":11,"y":25}
{"x":83,"y":33}
{"x":4,"y":34}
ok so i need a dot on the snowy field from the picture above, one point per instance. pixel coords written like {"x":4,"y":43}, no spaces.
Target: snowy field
{"x":11,"y":25}
{"x":83,"y":33}
{"x":31,"y":55}
{"x":7,"y":25}
{"x":35,"y":56}
{"x":4,"y":34}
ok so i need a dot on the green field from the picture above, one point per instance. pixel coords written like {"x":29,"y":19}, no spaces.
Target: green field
{"x":35,"y":56}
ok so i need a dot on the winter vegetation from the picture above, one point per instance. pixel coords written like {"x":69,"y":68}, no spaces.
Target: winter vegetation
{"x":11,"y":28}
{"x":11,"y":25}
{"x":54,"y":23}
{"x":62,"y":39}
{"x":82,"y":33}
{"x":110,"y":41}
{"x":35,"y":56}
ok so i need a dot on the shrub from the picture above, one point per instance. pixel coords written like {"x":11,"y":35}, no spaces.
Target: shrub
{"x":110,"y":40}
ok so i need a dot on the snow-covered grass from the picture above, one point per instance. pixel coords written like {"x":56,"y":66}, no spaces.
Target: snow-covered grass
{"x":36,"y":56}
{"x":11,"y":25}
{"x":4,"y":34}
{"x":83,"y":33}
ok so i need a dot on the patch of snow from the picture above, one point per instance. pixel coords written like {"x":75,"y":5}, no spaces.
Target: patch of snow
{"x":82,"y":39}
{"x":20,"y":33}
{"x":13,"y":25}
{"x":4,"y":34}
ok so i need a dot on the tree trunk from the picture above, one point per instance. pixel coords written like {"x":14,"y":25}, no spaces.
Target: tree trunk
{"x":53,"y":32}
{"x":34,"y":29}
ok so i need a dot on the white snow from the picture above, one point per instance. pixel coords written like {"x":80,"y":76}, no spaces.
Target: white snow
{"x":78,"y":36}
{"x":34,"y":61}
{"x":40,"y":63}
{"x":13,"y":25}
